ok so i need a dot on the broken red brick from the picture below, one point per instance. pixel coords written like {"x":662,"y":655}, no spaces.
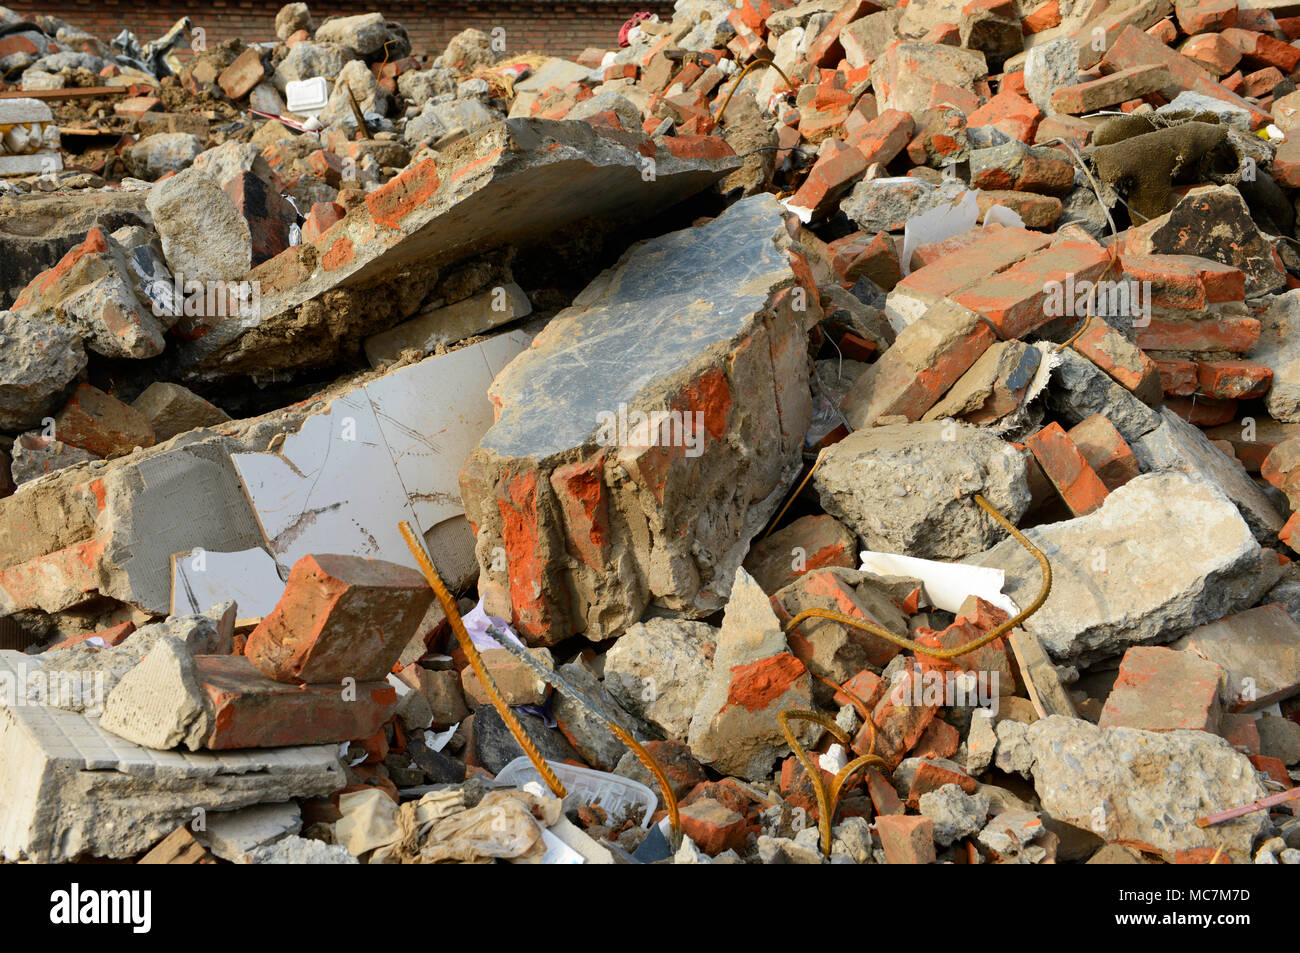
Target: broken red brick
{"x":1068,"y":470}
{"x":340,"y":617}
{"x":392,"y":202}
{"x":1178,"y":378}
{"x":1160,"y":689}
{"x":1206,"y":16}
{"x":898,"y":721}
{"x":1240,"y":380}
{"x":1105,"y":449}
{"x":1009,"y":113}
{"x":1262,"y":49}
{"x":253,"y":711}
{"x":267,"y":211}
{"x":101,"y":424}
{"x":1184,"y":281}
{"x":319,"y":220}
{"x":1013,"y":301}
{"x":834,"y":172}
{"x":906,"y":839}
{"x":109,"y":637}
{"x":1203,"y":411}
{"x":930,"y":776}
{"x":238,"y":79}
{"x":882,"y":139}
{"x":713,"y":827}
{"x":1110,"y":90}
{"x":1124,"y":361}
{"x":1237,"y":335}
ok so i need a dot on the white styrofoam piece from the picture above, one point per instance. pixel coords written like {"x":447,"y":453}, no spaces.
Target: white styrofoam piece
{"x":203,"y":580}
{"x":388,"y":451}
{"x":306,"y":97}
{"x":1001,"y":215}
{"x":946,"y":584}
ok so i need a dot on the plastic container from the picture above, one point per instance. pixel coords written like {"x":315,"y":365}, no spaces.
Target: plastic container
{"x":307,"y":97}
{"x":611,"y":792}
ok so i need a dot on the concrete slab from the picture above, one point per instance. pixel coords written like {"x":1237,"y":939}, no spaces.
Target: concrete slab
{"x":70,"y":788}
{"x":513,"y":183}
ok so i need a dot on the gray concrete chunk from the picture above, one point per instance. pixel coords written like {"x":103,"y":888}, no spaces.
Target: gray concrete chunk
{"x":910,"y":488}
{"x":1126,"y":784}
{"x":1164,"y":554}
{"x":68,"y":788}
{"x":1178,"y":445}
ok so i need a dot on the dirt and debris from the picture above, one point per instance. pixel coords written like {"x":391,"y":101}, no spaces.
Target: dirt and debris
{"x":824,"y":432}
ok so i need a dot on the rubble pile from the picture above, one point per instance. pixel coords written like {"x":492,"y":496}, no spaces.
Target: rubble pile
{"x":807,"y":432}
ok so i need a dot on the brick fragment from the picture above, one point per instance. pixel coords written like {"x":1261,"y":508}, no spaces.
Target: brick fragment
{"x":101,"y":424}
{"x":925,"y":360}
{"x":1110,"y":90}
{"x":1160,"y":689}
{"x":1233,"y":380}
{"x":1009,"y":113}
{"x":906,"y":838}
{"x":238,"y":79}
{"x":1105,"y":449}
{"x":713,"y":827}
{"x":253,"y":711}
{"x":1237,"y":335}
{"x":1120,"y":358}
{"x":1203,"y":411}
{"x":339,"y":617}
{"x":1068,"y":469}
{"x":1013,"y":301}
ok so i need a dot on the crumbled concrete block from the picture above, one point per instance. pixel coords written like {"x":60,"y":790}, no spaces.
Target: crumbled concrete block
{"x":172,"y":409}
{"x":1132,"y":785}
{"x":423,"y":218}
{"x":298,"y":850}
{"x":514,"y":679}
{"x":162,"y":153}
{"x":93,"y":291}
{"x":930,"y":473}
{"x":33,"y":456}
{"x":588,"y":732}
{"x":73,"y":789}
{"x":158,"y":703}
{"x":204,"y":236}
{"x":584,"y":449}
{"x":658,"y":669}
{"x":1279,"y":332}
{"x":1121,"y":575}
{"x":450,"y":324}
{"x":955,"y":813}
{"x":1177,"y":445}
{"x":232,"y":834}
{"x":754,"y":676}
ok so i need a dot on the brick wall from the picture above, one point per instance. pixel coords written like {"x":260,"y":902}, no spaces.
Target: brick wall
{"x":560,"y":28}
